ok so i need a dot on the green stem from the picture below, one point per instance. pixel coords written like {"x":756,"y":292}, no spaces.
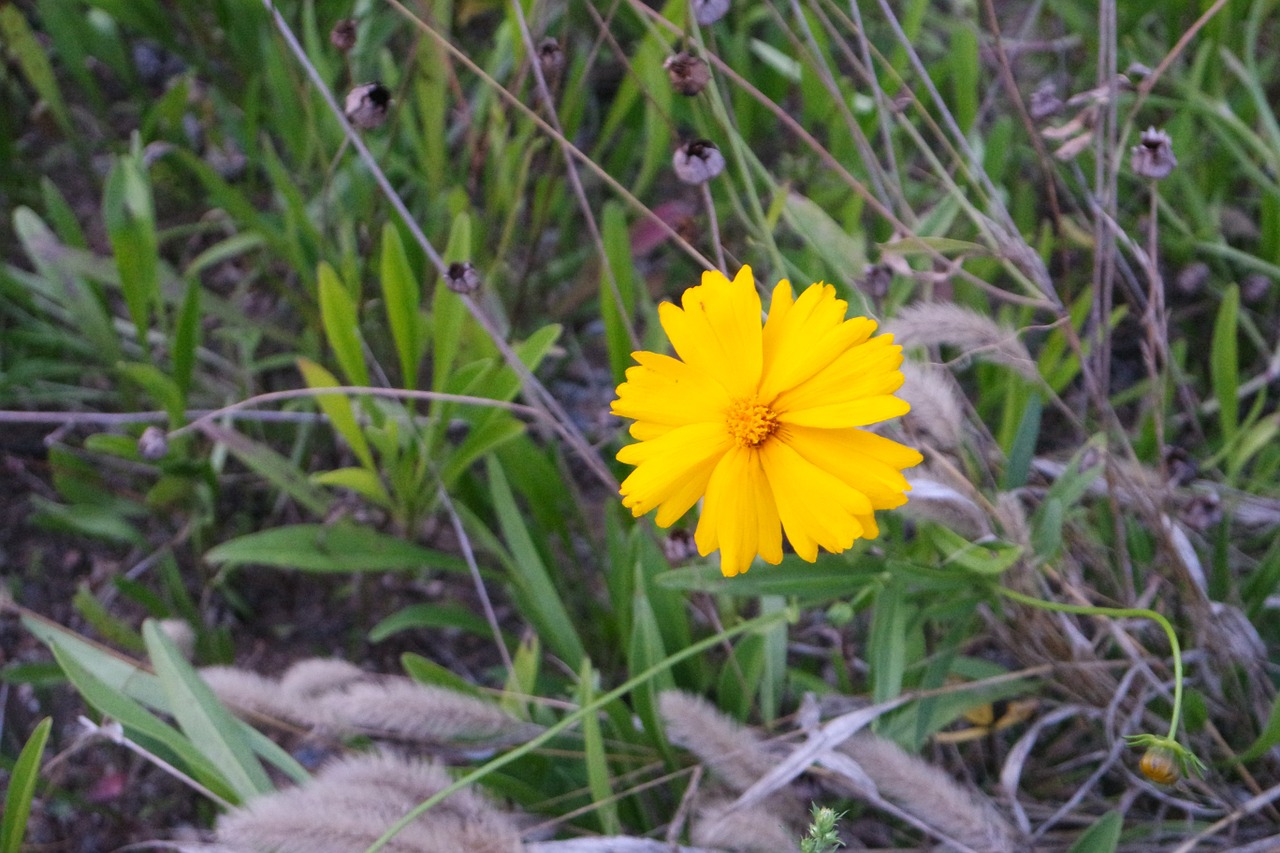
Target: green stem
{"x":599,"y":702}
{"x":1118,"y":613}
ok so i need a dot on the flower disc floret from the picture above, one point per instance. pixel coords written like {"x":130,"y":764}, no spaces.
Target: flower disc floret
{"x":763,"y":421}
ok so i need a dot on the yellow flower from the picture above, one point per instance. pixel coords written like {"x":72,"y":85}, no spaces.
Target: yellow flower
{"x":762,"y":421}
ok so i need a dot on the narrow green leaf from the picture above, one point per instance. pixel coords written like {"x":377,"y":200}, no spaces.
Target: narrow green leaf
{"x":1102,"y":837}
{"x":337,"y":408}
{"x":596,"y":756}
{"x":129,"y":215}
{"x":886,"y":647}
{"x":341,"y":547}
{"x":417,"y":616}
{"x":1224,"y":363}
{"x":617,"y":307}
{"x":22,"y":786}
{"x":186,"y":337}
{"x":21,"y":44}
{"x":362,"y":481}
{"x":341,"y":326}
{"x":142,"y":725}
{"x":272,"y":467}
{"x":838,"y":249}
{"x":545,"y":609}
{"x":1269,"y":738}
{"x":161,"y":388}
{"x":425,"y":671}
{"x":400,"y":294}
{"x":203,"y":718}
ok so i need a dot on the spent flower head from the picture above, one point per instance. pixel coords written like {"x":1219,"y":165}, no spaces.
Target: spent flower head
{"x":1165,"y":761}
{"x":764,"y":422}
{"x":1153,"y":156}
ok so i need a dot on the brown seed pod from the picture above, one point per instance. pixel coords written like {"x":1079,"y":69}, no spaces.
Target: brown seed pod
{"x":550,"y":56}
{"x":366,"y":105}
{"x":343,"y":35}
{"x":153,"y":444}
{"x":689,"y":74}
{"x":1153,"y":156}
{"x":709,"y":11}
{"x":462,"y":278}
{"x":698,"y":162}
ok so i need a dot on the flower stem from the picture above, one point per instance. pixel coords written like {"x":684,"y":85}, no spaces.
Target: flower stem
{"x":1118,"y":613}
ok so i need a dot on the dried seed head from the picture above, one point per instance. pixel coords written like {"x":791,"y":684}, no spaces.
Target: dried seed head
{"x":343,"y":35}
{"x":1181,"y":466}
{"x":1203,"y":511}
{"x":679,"y":546}
{"x":366,"y":105}
{"x":875,"y":281}
{"x":698,"y":162}
{"x":1153,"y":156}
{"x":689,"y":74}
{"x":1045,"y":101}
{"x":1192,"y":277}
{"x":551,"y":56}
{"x":1255,"y":286}
{"x":153,"y":443}
{"x":462,"y":278}
{"x":707,"y":12}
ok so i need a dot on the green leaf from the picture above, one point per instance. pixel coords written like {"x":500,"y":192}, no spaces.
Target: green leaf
{"x":1224,"y":363}
{"x":426,"y":671}
{"x":1102,"y":837}
{"x":21,"y":44}
{"x":274,"y":468}
{"x":203,"y":718}
{"x":400,"y":294}
{"x":988,"y":558}
{"x":543,"y":605}
{"x":186,"y":338}
{"x":887,"y":647}
{"x":596,"y":756}
{"x":417,"y":616}
{"x":908,"y":246}
{"x":839,"y":250}
{"x":337,"y":408}
{"x":617,"y":307}
{"x":828,"y":579}
{"x":341,"y":326}
{"x":159,"y":387}
{"x":1269,"y":738}
{"x":130,"y":218}
{"x":142,"y":725}
{"x":109,"y":627}
{"x":341,"y":547}
{"x":362,"y":481}
{"x":22,"y":782}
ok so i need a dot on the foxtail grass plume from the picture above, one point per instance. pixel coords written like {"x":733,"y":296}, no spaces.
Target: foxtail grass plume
{"x":763,"y":421}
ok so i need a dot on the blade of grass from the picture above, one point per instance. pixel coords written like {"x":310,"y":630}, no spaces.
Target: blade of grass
{"x":22,"y":787}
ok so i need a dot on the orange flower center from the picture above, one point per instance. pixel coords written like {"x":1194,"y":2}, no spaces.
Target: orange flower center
{"x":750,"y":422}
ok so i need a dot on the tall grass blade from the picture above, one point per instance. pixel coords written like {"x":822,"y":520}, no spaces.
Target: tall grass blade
{"x":22,"y":787}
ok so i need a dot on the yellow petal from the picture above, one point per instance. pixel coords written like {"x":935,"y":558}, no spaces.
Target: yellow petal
{"x":866,"y":370}
{"x":807,"y":337}
{"x":663,"y":390}
{"x":869,"y":410}
{"x":864,"y":461}
{"x":739,"y":515}
{"x":717,"y":331}
{"x":666,"y":464}
{"x":815,"y":507}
